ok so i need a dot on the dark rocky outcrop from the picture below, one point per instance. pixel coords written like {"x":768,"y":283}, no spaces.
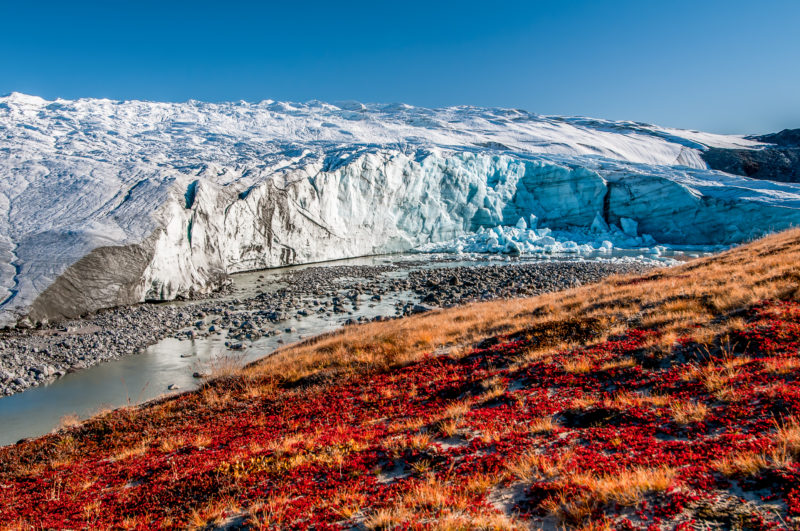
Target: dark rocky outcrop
{"x":779,"y":161}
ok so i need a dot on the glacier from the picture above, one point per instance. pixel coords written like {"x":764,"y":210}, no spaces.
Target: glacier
{"x":105,"y":203}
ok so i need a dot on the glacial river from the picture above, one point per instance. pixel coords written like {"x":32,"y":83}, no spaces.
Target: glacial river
{"x":172,"y":362}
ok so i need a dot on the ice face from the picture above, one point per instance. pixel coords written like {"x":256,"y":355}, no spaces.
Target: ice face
{"x":629,"y":227}
{"x":108,"y":203}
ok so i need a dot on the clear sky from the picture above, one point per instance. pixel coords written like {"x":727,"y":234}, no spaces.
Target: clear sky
{"x":726,"y":66}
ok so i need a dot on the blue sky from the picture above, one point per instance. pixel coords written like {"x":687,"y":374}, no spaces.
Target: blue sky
{"x":727,"y":66}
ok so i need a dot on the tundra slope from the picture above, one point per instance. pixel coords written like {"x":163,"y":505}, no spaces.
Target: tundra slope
{"x":667,"y":400}
{"x":106,"y":203}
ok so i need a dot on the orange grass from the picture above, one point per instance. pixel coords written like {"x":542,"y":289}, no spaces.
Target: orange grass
{"x":677,"y":301}
{"x":681,"y":297}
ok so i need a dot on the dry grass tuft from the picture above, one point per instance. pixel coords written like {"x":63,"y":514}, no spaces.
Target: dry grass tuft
{"x":387,"y":518}
{"x":459,"y":522}
{"x":718,"y":377}
{"x":139,"y":448}
{"x":787,"y":437}
{"x":68,"y":421}
{"x":626,"y":487}
{"x":452,"y":418}
{"x":442,"y":505}
{"x":226,"y":365}
{"x":494,"y":387}
{"x":747,"y":464}
{"x":785,"y":452}
{"x":781,"y":365}
{"x":580,"y":365}
{"x":624,"y":363}
{"x":532,"y":466}
{"x":213,"y":514}
{"x":541,"y":425}
{"x":687,"y":412}
{"x":629,"y":399}
{"x":172,"y":443}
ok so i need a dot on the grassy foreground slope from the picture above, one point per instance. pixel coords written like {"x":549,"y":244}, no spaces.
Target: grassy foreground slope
{"x":664,"y":400}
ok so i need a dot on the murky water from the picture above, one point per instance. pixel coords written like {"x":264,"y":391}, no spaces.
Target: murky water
{"x":135,"y":379}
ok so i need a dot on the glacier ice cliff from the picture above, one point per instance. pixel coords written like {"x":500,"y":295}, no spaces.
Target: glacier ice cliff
{"x":107,"y":203}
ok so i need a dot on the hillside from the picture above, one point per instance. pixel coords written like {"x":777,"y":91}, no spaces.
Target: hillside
{"x":132,"y":200}
{"x":665,"y":400}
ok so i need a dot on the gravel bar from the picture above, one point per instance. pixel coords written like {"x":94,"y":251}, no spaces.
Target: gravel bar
{"x":36,"y":356}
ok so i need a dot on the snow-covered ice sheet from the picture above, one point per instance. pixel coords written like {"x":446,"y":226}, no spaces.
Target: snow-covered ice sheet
{"x":105,"y":202}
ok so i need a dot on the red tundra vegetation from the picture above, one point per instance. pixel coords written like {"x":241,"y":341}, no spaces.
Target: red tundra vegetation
{"x":669,"y":400}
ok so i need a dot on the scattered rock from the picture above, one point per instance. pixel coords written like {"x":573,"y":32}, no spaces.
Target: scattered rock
{"x":32,"y":357}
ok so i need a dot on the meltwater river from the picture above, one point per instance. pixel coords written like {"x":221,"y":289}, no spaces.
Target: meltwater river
{"x":171,"y":362}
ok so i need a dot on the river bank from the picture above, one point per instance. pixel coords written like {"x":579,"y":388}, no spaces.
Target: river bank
{"x":265,"y":300}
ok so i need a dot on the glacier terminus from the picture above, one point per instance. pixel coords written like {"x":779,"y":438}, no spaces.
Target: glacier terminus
{"x":105,"y":203}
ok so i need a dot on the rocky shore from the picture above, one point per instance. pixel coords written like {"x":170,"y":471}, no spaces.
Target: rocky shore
{"x":35,"y":356}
